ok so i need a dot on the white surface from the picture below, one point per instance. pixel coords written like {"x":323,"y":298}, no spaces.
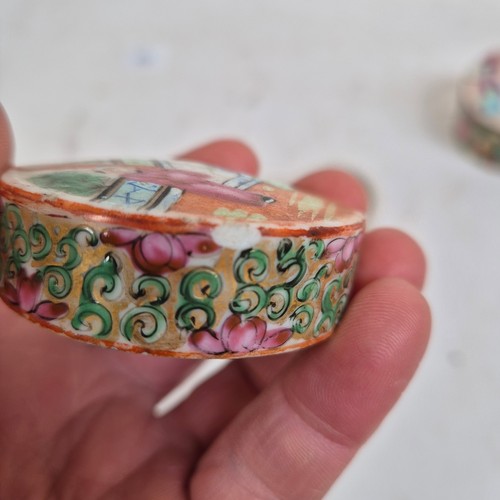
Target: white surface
{"x":365,"y":83}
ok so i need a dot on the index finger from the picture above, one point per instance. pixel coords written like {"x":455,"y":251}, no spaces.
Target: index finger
{"x":226,"y":153}
{"x":6,"y":142}
{"x":336,"y":185}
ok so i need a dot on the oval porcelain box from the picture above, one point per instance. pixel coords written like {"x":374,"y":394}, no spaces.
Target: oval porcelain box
{"x":479,"y":101}
{"x":174,"y":258}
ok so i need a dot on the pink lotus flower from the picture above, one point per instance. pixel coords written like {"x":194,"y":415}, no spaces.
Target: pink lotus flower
{"x":27,"y":295}
{"x":239,"y":336}
{"x":158,"y":253}
{"x":342,"y":251}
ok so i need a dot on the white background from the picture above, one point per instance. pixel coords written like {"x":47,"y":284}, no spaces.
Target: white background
{"x":365,"y":84}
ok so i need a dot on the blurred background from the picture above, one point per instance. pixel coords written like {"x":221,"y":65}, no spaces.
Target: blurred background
{"x":362,"y":84}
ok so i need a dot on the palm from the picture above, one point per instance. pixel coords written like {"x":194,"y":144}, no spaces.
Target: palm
{"x":75,"y":420}
{"x":66,"y":404}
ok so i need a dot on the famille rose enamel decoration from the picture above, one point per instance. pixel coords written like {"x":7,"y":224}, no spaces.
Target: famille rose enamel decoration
{"x":479,"y":102}
{"x":174,"y":258}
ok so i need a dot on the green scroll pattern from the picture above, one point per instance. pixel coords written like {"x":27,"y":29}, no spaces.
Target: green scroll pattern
{"x":68,"y":250}
{"x":101,"y":281}
{"x":14,"y":240}
{"x":22,"y":245}
{"x":250,"y":268}
{"x":279,"y":301}
{"x":197,"y":291}
{"x":148,"y":319}
{"x":276,"y":286}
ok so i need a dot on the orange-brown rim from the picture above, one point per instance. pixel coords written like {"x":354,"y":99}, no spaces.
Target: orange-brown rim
{"x":166,"y":224}
{"x":161,"y":352}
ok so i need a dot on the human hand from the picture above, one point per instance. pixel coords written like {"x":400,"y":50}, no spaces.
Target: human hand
{"x":76,"y":421}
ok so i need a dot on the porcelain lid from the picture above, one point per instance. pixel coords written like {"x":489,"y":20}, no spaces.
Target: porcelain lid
{"x":172,"y":196}
{"x":479,"y":92}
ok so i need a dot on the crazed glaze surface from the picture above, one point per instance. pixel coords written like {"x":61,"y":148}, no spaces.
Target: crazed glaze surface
{"x":176,"y":258}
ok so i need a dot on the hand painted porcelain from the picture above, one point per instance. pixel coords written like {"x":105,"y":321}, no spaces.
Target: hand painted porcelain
{"x":479,"y":100}
{"x":174,"y":258}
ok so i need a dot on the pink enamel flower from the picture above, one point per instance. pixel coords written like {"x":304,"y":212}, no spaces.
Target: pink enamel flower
{"x":239,"y":336}
{"x":27,"y":296}
{"x":342,"y":251}
{"x":158,"y":253}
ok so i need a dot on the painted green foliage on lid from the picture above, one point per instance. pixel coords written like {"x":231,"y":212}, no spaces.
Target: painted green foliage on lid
{"x":77,"y":183}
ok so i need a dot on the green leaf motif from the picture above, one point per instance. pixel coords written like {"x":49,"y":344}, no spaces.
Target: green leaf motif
{"x":69,"y":246}
{"x":59,"y":281}
{"x":149,"y":321}
{"x":251,"y":266}
{"x":278,"y":299}
{"x":11,"y":217}
{"x":198,"y":289}
{"x":302,"y":317}
{"x":41,"y":243}
{"x":159,"y":284}
{"x":92,"y":310}
{"x":310,"y":290}
{"x":105,"y":280}
{"x":21,"y":248}
{"x":288,"y":258}
{"x":77,"y":183}
{"x":333,"y":304}
{"x":249,"y":300}
{"x":13,"y":237}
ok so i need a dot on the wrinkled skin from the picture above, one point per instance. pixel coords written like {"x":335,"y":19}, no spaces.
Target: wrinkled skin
{"x":75,"y":420}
